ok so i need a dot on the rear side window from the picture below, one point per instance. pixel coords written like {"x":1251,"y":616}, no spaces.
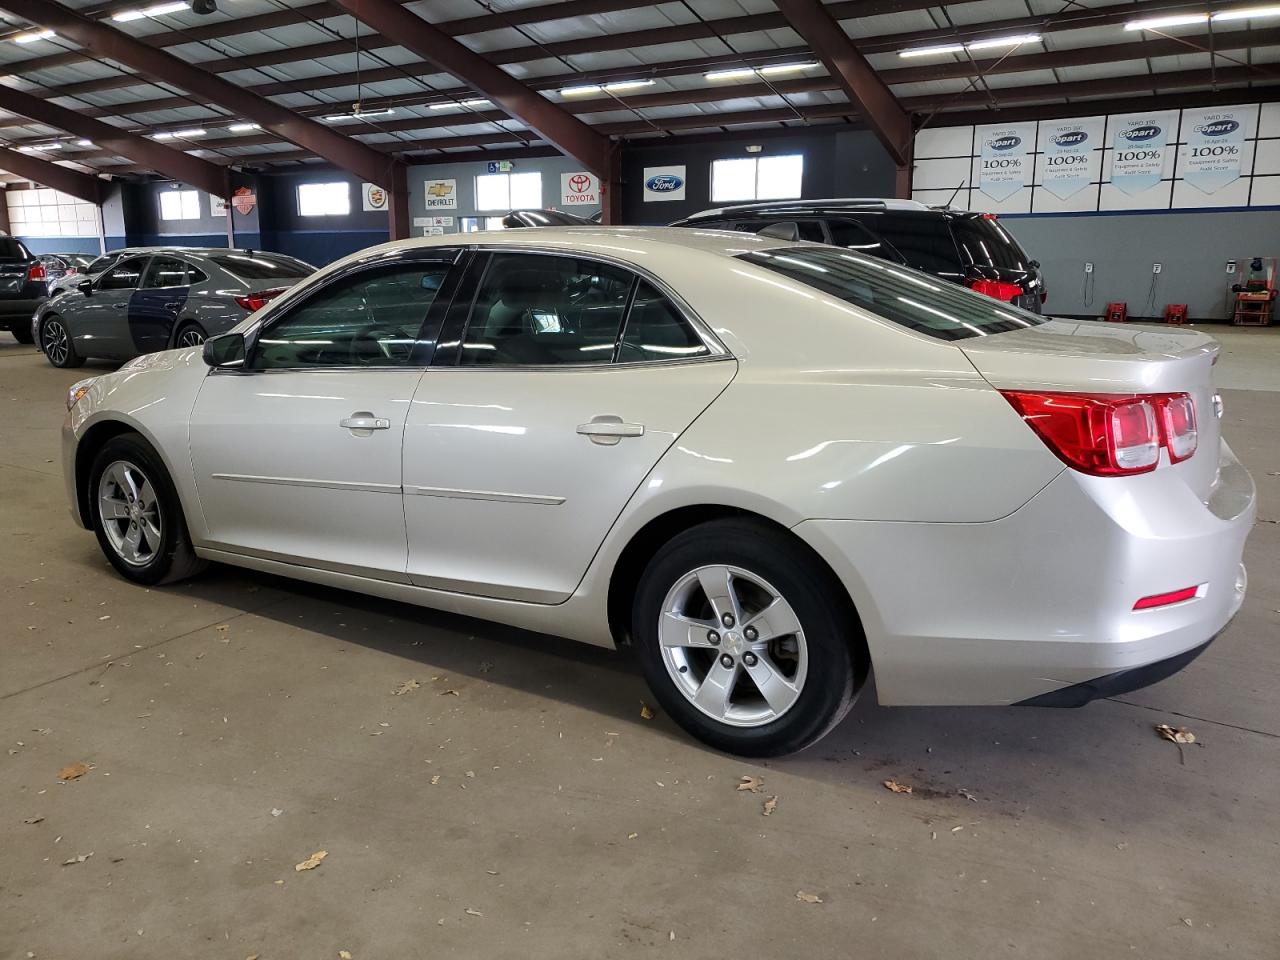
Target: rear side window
{"x":12,"y":250}
{"x":923,"y":240}
{"x":985,"y":243}
{"x":854,"y":236}
{"x":261,"y":266}
{"x":656,"y":330}
{"x":101,"y":263}
{"x":905,"y":297}
{"x":166,"y":272}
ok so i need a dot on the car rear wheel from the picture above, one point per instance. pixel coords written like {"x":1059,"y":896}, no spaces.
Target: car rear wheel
{"x":22,"y":333}
{"x":137,"y":516}
{"x":57,"y":344}
{"x":746,"y":639}
{"x":191,"y":335}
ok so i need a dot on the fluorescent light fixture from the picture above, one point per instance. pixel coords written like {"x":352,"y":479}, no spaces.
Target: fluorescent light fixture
{"x":451,"y":104}
{"x":581,"y":90}
{"x":778,"y":68}
{"x":363,"y":114}
{"x":1003,"y":42}
{"x":1248,"y":13}
{"x":155,"y":10}
{"x":179,"y":134}
{"x":244,"y":127}
{"x":1173,"y":20}
{"x":737,"y":73}
{"x":617,"y":86}
{"x":84,"y":143}
{"x":40,"y":147}
{"x":930,"y":51}
{"x":34,"y":35}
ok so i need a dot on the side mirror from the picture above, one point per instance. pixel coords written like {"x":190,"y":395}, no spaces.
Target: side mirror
{"x":1033,"y":264}
{"x":85,"y":287}
{"x":226,"y":350}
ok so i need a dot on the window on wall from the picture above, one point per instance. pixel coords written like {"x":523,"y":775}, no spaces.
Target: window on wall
{"x":508,"y":191}
{"x":48,"y":213}
{"x":179,"y":205}
{"x":324,"y":199}
{"x":757,"y":178}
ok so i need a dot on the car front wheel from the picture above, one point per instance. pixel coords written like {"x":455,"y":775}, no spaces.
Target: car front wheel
{"x":57,"y":344}
{"x":746,"y":638}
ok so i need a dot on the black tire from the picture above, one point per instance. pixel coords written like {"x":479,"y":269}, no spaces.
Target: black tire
{"x":53,"y":332}
{"x":173,"y":557}
{"x":22,"y":333}
{"x":832,"y":635}
{"x":188,"y":331}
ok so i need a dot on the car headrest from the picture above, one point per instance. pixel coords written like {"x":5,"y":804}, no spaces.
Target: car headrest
{"x":526,"y":289}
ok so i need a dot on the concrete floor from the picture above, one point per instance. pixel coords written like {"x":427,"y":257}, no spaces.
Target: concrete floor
{"x":562,"y":824}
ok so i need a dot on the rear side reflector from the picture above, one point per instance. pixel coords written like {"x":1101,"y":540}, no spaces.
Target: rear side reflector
{"x":259,"y":299}
{"x":997,"y":289}
{"x":1108,"y":435}
{"x":1164,"y":599}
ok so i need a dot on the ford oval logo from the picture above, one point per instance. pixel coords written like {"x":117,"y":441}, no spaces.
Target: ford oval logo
{"x":1219,"y":128}
{"x":1005,"y":143}
{"x":1142,"y":134}
{"x":1071,"y":139}
{"x":664,"y":183}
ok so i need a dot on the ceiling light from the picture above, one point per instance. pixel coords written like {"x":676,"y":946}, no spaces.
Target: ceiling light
{"x":785,"y":68}
{"x":33,"y":147}
{"x":737,"y":73}
{"x":155,"y":10}
{"x":360,"y":114}
{"x":1248,"y":13}
{"x":930,"y":51}
{"x":84,"y":143}
{"x":580,"y":90}
{"x":1173,"y":20}
{"x":179,"y":134}
{"x":34,"y":35}
{"x":619,"y":85}
{"x":1003,"y":42}
{"x":451,"y":104}
{"x":244,"y":127}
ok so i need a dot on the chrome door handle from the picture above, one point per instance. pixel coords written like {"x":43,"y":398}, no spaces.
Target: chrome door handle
{"x":173,"y":305}
{"x":362,"y":421}
{"x":609,"y":429}
{"x":118,"y":306}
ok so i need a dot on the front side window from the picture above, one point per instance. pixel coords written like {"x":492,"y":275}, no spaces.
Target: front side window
{"x":102,"y":263}
{"x":536,"y":309}
{"x":757,"y":178}
{"x":324,"y":199}
{"x":180,"y":205}
{"x":905,"y":297}
{"x":508,"y":191}
{"x":166,"y":272}
{"x":123,"y":276}
{"x":656,"y":330}
{"x":373,"y":318}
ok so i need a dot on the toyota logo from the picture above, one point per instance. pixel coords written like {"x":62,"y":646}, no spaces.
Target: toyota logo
{"x":579,"y":183}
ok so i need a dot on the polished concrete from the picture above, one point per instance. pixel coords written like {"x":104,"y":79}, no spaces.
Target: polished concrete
{"x":238,"y":723}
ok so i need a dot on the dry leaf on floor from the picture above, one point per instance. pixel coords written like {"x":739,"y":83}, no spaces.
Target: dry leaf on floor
{"x":645,"y":712}
{"x":80,"y":859}
{"x":473,"y":913}
{"x":485,"y":666}
{"x":276,"y":811}
{"x":74,"y":772}
{"x":435,"y":779}
{"x":807,"y":897}
{"x":252,"y":956}
{"x":1179,"y":735}
{"x":405,"y":687}
{"x":450,"y":693}
{"x":632,"y":836}
{"x":897,"y":787}
{"x":34,"y":820}
{"x":344,"y":955}
{"x":312,"y":861}
{"x":770,"y":805}
{"x":754,"y":784}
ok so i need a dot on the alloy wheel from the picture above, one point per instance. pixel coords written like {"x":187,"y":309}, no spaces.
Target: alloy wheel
{"x":191,"y":337}
{"x":130,"y":513}
{"x":56,"y":345}
{"x":733,"y":645}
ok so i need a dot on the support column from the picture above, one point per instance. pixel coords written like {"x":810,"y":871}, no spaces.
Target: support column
{"x":902,"y":181}
{"x":398,"y":203}
{"x":611,"y":188}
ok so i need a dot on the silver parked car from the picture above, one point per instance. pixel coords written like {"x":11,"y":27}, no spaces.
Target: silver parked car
{"x":160,"y":298}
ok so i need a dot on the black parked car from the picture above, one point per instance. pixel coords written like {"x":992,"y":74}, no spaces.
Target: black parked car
{"x":972,"y":249}
{"x":22,"y":288}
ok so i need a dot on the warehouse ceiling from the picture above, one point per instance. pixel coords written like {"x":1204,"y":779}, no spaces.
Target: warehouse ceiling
{"x":646,"y":70}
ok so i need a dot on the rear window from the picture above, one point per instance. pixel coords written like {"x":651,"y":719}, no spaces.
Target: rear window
{"x":11,"y":250}
{"x":904,"y":297}
{"x":261,"y":266}
{"x":986,"y":243}
{"x":922,"y":239}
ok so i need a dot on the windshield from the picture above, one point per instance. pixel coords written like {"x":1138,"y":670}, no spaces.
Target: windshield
{"x":985,"y":243}
{"x":263,"y":266}
{"x":913,"y":300}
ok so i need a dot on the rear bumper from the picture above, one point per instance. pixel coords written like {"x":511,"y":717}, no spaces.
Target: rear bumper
{"x":1042,"y":601}
{"x":13,"y":312}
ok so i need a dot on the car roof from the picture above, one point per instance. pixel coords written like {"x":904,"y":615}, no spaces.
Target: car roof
{"x":770,"y":207}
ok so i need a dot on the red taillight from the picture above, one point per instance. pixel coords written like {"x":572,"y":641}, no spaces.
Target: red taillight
{"x":1164,"y":599}
{"x":1107,"y":435}
{"x":999,"y":289}
{"x":36,"y":272}
{"x":259,"y":298}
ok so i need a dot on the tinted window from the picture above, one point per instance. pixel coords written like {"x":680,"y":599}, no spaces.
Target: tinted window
{"x":656,"y":330}
{"x":166,"y":272}
{"x":195,"y":275}
{"x":123,"y":277}
{"x":987,"y":244}
{"x":97,"y":266}
{"x":905,"y":297}
{"x":922,"y":239}
{"x":11,"y":249}
{"x":854,"y":236}
{"x":532,"y":309}
{"x":262,"y":266}
{"x":370,"y":319}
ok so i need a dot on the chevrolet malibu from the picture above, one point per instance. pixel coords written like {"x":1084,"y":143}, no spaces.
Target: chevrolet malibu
{"x":768,"y":467}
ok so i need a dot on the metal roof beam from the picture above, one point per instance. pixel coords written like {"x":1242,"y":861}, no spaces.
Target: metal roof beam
{"x":82,"y":186}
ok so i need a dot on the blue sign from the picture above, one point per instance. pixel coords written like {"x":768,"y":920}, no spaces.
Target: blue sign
{"x":664,"y":183}
{"x":1005,"y":143}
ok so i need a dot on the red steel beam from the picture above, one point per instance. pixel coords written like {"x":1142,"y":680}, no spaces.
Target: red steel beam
{"x":555,"y":125}
{"x":181,"y":166}
{"x":82,"y":186}
{"x":864,"y":88}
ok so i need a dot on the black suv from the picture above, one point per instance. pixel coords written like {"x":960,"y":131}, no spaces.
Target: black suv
{"x":22,"y":288}
{"x":972,"y":249}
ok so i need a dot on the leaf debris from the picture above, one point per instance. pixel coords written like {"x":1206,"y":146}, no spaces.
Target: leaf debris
{"x":405,"y":687}
{"x":748,"y":782}
{"x":897,"y":787}
{"x":312,"y":861}
{"x":645,"y":712}
{"x":808,"y":897}
{"x":78,"y":859}
{"x":770,"y":805}
{"x":74,"y":772}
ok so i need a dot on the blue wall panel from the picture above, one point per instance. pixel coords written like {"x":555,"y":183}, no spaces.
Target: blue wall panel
{"x":320,"y":247}
{"x":61,"y":244}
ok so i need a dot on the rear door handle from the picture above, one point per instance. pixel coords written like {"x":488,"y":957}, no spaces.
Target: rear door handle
{"x":173,"y":305}
{"x":608,"y":429}
{"x":364,"y":422}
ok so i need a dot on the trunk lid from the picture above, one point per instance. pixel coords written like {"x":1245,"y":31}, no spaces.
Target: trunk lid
{"x":1092,"y":357}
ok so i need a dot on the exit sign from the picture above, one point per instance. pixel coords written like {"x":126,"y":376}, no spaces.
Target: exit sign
{"x":501,"y":166}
